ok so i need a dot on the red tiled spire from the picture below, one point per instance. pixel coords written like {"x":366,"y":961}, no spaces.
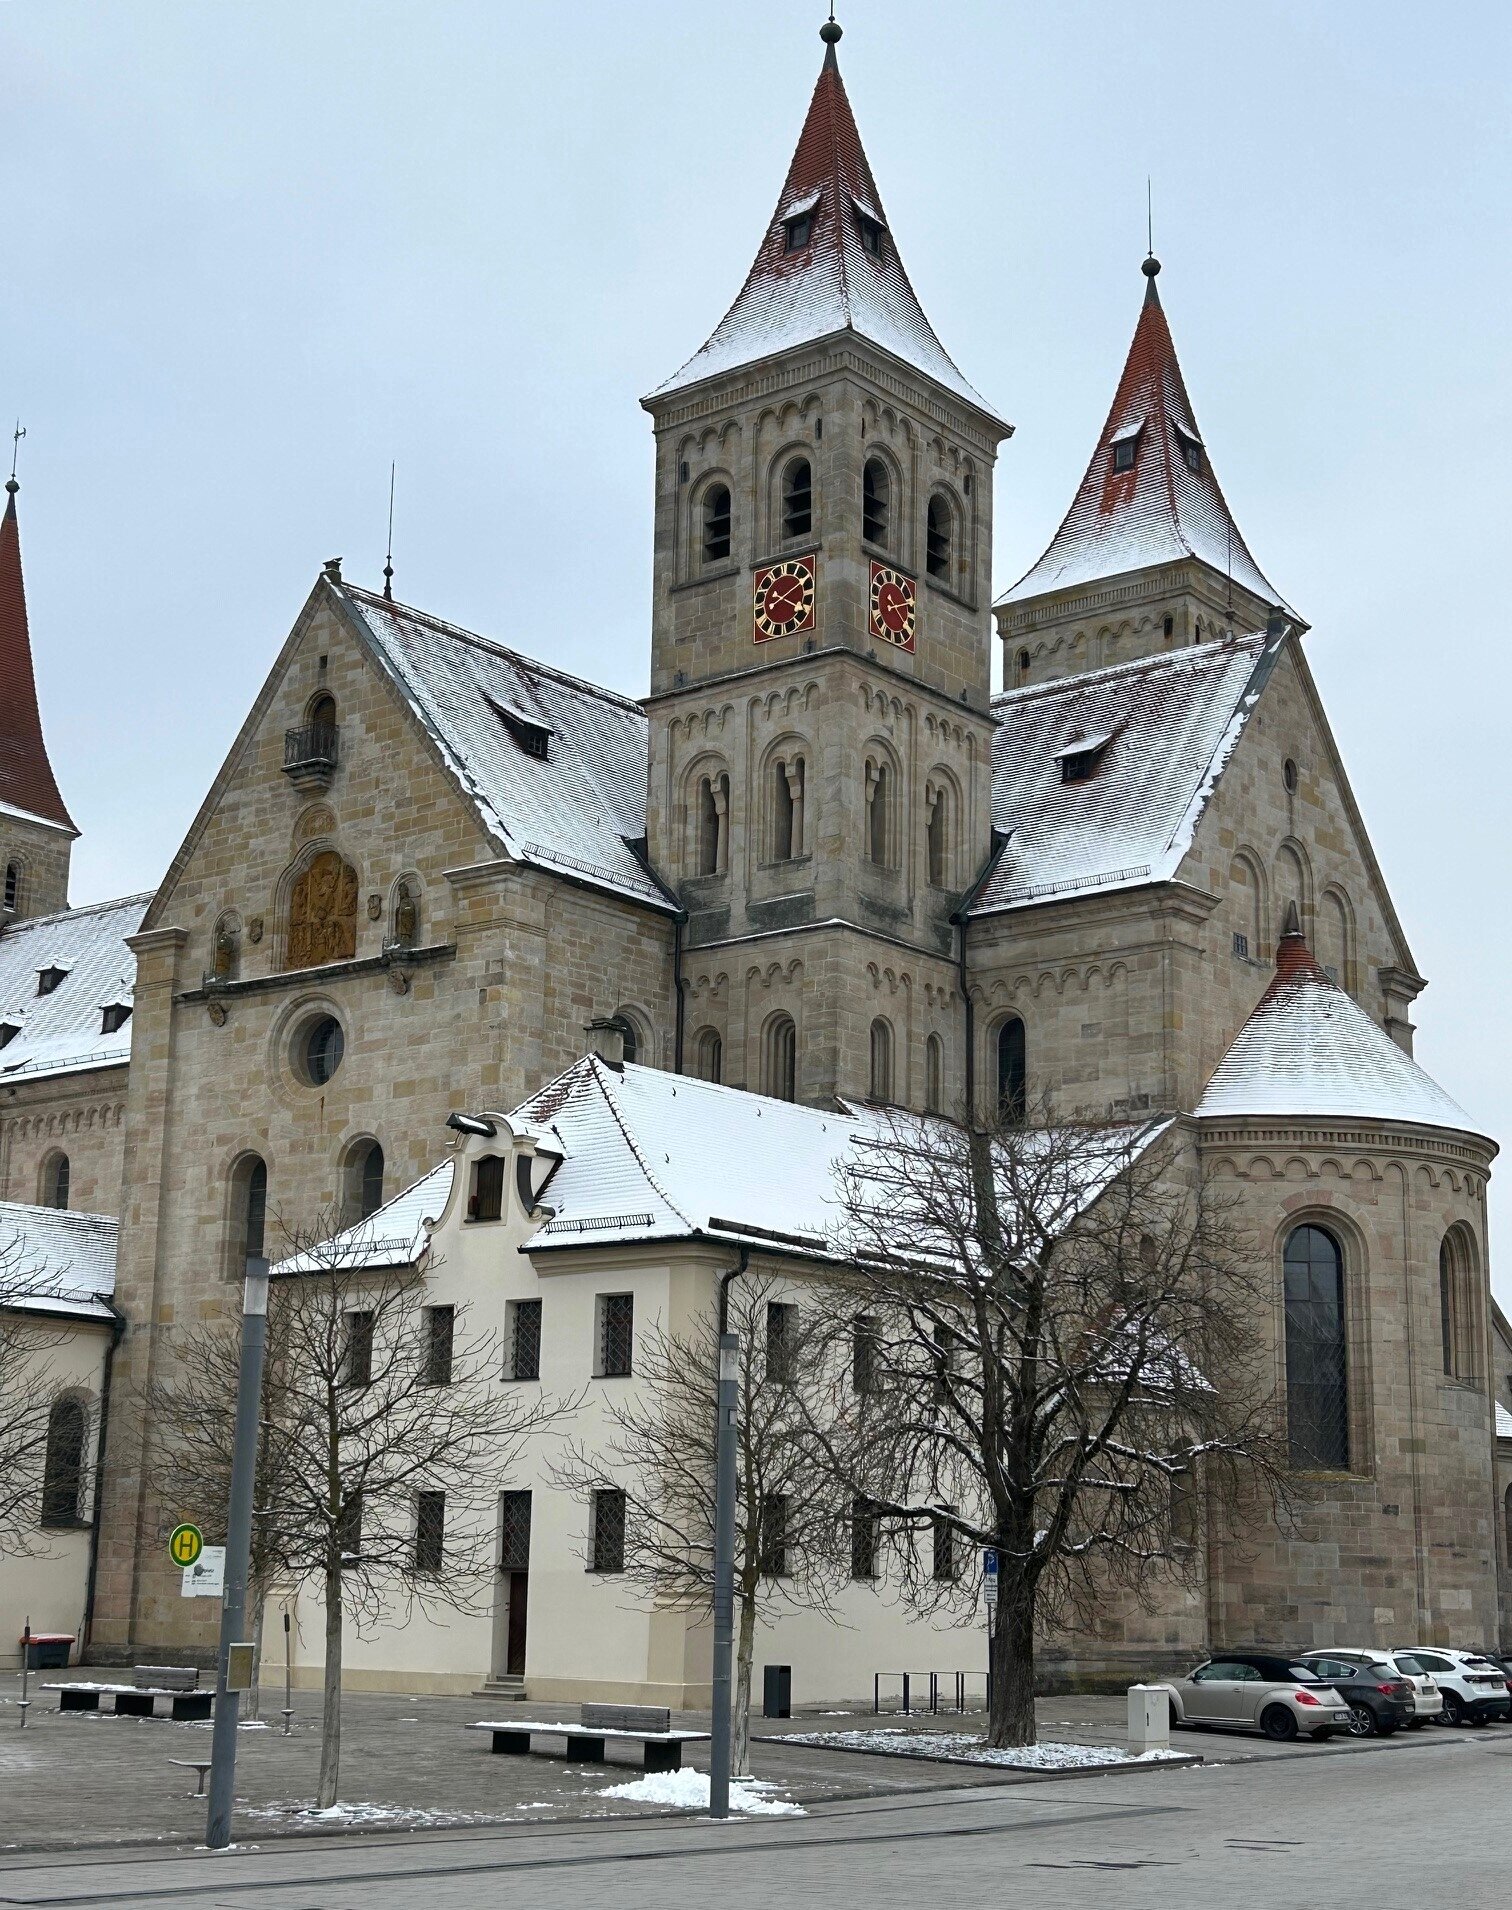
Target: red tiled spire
{"x":1165,"y":506}
{"x":834,"y":281}
{"x":26,"y":777}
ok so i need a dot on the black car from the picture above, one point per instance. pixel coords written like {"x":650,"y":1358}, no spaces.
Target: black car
{"x":1380,"y":1699}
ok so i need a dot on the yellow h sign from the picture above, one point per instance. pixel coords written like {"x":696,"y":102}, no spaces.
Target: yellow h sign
{"x":185,"y":1543}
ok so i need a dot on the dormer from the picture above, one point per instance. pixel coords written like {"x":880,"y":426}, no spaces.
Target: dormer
{"x":503,"y":1167}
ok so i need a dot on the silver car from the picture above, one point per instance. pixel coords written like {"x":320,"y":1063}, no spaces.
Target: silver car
{"x":1258,"y":1691}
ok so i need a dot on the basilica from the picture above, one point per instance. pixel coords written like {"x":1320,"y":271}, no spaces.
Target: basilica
{"x":818,"y":867}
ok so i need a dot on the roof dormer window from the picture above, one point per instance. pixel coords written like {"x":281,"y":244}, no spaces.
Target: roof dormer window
{"x":1123,"y":453}
{"x":1081,"y":756}
{"x":8,"y":1032}
{"x":49,"y":978}
{"x":873,"y":233}
{"x":532,"y":737}
{"x":798,"y":223}
{"x":114,"y":1016}
{"x":1191,"y":450}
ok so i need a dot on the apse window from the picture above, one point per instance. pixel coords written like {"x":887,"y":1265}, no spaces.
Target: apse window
{"x":321,"y":1048}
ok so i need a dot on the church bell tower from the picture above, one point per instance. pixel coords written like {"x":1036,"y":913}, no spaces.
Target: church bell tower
{"x":820,"y":725}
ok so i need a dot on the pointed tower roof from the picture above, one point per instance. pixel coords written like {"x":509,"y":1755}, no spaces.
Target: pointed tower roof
{"x":1167,"y":504}
{"x":26,"y":777}
{"x":846,"y":274}
{"x":1308,"y":1049}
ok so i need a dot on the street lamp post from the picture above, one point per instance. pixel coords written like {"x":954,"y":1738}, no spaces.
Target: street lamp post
{"x":724,"y":1573}
{"x":233,"y":1667}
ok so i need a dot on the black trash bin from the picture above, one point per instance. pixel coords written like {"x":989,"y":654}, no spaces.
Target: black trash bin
{"x":776,"y":1691}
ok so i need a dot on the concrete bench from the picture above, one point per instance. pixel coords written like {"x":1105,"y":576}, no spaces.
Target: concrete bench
{"x":200,"y":1766}
{"x":601,"y":1724}
{"x":178,"y":1684}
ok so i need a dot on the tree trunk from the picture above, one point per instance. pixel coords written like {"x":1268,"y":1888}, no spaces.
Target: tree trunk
{"x":1010,"y":1718}
{"x":745,"y":1652}
{"x":330,"y":1720}
{"x":257,"y":1597}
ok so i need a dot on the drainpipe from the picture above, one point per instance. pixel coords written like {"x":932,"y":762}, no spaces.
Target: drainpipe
{"x":959,"y":920}
{"x":679,"y":923}
{"x":117,"y":1334}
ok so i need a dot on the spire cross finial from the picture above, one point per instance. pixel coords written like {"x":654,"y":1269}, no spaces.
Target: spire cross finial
{"x":1149,"y":217}
{"x":16,"y":436}
{"x":831,"y":31}
{"x":388,"y":556}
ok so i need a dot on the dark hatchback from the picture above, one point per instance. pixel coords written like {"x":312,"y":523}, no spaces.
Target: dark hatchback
{"x":1380,"y":1699}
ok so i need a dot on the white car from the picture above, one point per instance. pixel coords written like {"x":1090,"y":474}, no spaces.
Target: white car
{"x":1427,"y":1699}
{"x":1474,"y":1688}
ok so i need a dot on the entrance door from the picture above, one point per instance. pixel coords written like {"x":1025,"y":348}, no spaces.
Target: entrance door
{"x":514,"y":1649}
{"x":512,"y":1596}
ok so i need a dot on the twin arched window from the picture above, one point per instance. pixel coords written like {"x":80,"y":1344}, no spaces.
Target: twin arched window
{"x":881,"y":1060}
{"x":1317,"y":1361}
{"x":779,"y":1060}
{"x":716,"y":523}
{"x":1012,"y":1071}
{"x":789,"y":777}
{"x":876,"y":502}
{"x":797,"y":498}
{"x":63,"y":1464}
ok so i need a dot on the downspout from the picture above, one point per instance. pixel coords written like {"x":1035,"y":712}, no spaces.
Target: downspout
{"x":678,"y":925}
{"x":724,"y":1288}
{"x":959,"y":920}
{"x":117,"y":1334}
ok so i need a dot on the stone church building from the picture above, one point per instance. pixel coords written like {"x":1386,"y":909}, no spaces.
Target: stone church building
{"x":820,"y":862}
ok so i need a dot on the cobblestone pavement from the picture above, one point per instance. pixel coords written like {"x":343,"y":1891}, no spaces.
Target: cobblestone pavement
{"x":85,"y":1778}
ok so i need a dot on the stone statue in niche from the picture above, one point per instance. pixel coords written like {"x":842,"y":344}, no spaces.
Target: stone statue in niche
{"x":323,"y":913}
{"x":406,"y":917}
{"x":223,"y":960}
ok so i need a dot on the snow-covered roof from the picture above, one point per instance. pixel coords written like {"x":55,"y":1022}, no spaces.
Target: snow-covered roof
{"x":832,"y":283}
{"x":393,"y":1235}
{"x":1168,"y":725}
{"x":62,"y":1032}
{"x":54,"y":1261}
{"x":1309,"y":1049}
{"x":573,"y":811}
{"x":1503,"y":1422}
{"x":1159,"y":509}
{"x":28,"y":815}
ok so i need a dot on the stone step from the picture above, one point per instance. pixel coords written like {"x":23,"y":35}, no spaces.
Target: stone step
{"x":512,"y":1689}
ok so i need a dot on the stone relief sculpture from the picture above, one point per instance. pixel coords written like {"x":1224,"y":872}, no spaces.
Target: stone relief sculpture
{"x":323,"y":913}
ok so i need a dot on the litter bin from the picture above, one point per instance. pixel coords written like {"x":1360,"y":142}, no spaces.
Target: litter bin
{"x":49,"y":1650}
{"x":776,"y":1691}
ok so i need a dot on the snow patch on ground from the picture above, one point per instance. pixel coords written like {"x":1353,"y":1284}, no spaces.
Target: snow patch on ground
{"x":369,"y":1814}
{"x":968,"y":1749}
{"x":689,"y":1790}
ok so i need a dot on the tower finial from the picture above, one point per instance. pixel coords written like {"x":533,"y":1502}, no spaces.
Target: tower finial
{"x":16,"y":436}
{"x":388,"y":556}
{"x":832,"y":30}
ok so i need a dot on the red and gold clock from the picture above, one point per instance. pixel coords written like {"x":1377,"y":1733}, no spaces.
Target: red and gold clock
{"x":893,"y":606}
{"x":784,"y":598}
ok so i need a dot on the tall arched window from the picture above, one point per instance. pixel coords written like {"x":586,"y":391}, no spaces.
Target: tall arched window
{"x":788,"y":790}
{"x":12,"y":885}
{"x":797,"y":498}
{"x":1012,"y":1071}
{"x":713,"y":822}
{"x":1507,"y":1510}
{"x":876,"y":502}
{"x":56,"y":1175}
{"x":939,"y":536}
{"x":881,"y":1060}
{"x":364,"y":1180}
{"x":934,"y":1075}
{"x":1317,"y":1375}
{"x":631,"y":1038}
{"x":249,"y":1213}
{"x":708,"y":1051}
{"x":63,"y":1463}
{"x":716,"y":523}
{"x":937,"y":834}
{"x":1457,"y":1304}
{"x":1021,"y":667}
{"x":878,"y":812}
{"x":780,"y":1059}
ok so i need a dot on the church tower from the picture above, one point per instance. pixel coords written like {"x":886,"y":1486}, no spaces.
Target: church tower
{"x":1148,"y":557}
{"x":36,"y":831}
{"x":820,"y":726}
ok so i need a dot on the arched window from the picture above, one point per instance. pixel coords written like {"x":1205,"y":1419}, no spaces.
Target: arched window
{"x":780,"y":1059}
{"x":630,"y":1035}
{"x":797,"y":498}
{"x":56,"y":1175}
{"x":1021,"y":665}
{"x":876,"y":502}
{"x":713,"y":822}
{"x":1507,"y":1510}
{"x":881,"y":1060}
{"x":364,"y":1180}
{"x":716,"y":523}
{"x":937,"y":834}
{"x":708,"y":1051}
{"x":788,"y":779}
{"x":12,"y":885}
{"x":1317,"y":1377}
{"x":63,"y":1464}
{"x":1012,"y":1071}
{"x":878,"y":807}
{"x":934,"y":1075}
{"x":320,"y":718}
{"x":249,"y":1213}
{"x":1457,"y":1304}
{"x":939,"y":536}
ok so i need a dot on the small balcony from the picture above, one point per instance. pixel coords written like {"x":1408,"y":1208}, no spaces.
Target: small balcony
{"x":310,"y":756}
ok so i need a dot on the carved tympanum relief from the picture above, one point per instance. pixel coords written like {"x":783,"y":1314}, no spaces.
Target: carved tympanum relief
{"x":323,"y":913}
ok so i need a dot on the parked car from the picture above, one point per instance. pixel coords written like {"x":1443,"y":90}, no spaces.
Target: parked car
{"x":1381,"y":1698}
{"x":1474,"y":1687}
{"x":1258,"y":1691}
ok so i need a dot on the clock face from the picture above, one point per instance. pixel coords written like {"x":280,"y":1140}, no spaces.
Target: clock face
{"x":784,"y":601}
{"x":892,"y":606}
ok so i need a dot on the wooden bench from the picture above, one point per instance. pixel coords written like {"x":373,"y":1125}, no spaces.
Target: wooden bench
{"x":645,"y":1724}
{"x":179,"y":1684}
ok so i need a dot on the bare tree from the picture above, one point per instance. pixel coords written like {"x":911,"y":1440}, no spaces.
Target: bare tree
{"x":660,"y":1454}
{"x":386,"y":1437}
{"x":1063,"y":1360}
{"x":29,"y":1333}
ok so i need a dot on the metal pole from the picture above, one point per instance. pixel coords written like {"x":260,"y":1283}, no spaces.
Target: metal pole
{"x":724,"y":1572}
{"x":25,"y":1702}
{"x":288,"y":1703}
{"x":238,"y":1552}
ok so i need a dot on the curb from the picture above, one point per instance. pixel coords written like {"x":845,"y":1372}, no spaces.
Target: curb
{"x":1005,"y":1773}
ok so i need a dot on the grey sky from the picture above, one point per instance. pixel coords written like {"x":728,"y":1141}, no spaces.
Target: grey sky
{"x":253,"y":251}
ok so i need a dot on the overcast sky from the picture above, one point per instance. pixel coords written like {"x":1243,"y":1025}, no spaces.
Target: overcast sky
{"x":252,"y":252}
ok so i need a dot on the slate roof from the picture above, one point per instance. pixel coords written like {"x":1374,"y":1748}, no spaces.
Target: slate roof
{"x":53,"y":1261}
{"x":393,"y":1235}
{"x":833,"y":283}
{"x":570,"y":812}
{"x":1309,"y":1049}
{"x":1158,"y":511}
{"x":1173,"y":721}
{"x":27,"y":782}
{"x":61,"y":1033}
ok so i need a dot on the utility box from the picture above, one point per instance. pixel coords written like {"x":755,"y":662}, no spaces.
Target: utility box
{"x":1149,"y":1719}
{"x":48,"y":1650}
{"x":776,"y":1691}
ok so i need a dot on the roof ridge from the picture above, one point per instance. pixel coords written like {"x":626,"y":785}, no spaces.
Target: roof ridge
{"x":1193,"y":653}
{"x":492,"y":645}
{"x":598,"y":1069}
{"x":84,"y":908}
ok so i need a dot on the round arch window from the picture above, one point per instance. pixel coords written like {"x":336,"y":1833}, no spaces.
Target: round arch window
{"x":321,"y":1046}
